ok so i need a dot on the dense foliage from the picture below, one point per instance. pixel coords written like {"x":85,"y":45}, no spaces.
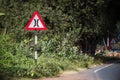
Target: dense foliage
{"x":66,"y":20}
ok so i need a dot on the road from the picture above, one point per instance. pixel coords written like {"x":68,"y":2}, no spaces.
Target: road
{"x":109,"y":72}
{"x":103,"y":72}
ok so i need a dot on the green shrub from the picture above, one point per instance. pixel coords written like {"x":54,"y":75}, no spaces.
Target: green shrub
{"x":56,"y":55}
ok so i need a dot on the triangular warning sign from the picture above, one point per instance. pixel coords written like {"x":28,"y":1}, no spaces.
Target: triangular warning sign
{"x":113,"y":41}
{"x":36,"y":22}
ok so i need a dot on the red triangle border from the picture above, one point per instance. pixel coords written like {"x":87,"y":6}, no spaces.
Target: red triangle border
{"x":36,"y":13}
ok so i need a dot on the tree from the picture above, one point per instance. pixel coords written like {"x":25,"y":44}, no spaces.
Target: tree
{"x":76,"y":17}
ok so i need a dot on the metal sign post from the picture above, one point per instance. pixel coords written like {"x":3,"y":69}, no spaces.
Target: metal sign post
{"x":36,"y":23}
{"x":36,"y":54}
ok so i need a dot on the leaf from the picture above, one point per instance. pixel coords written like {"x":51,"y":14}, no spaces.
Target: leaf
{"x":1,"y":14}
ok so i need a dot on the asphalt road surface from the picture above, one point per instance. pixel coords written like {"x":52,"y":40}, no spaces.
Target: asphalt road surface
{"x":108,"y":72}
{"x":103,"y":72}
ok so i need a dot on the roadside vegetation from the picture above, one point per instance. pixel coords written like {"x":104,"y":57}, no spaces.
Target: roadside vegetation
{"x":17,"y":59}
{"x":71,"y":28}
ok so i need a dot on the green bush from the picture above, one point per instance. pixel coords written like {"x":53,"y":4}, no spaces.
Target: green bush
{"x":55,"y":55}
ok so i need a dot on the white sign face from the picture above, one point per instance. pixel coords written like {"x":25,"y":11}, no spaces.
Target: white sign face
{"x":36,"y":23}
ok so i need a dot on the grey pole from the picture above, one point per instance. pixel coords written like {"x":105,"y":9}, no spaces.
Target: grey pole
{"x":36,"y":54}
